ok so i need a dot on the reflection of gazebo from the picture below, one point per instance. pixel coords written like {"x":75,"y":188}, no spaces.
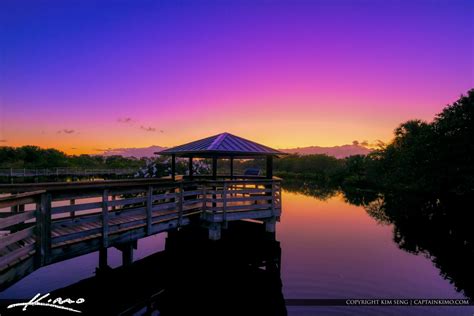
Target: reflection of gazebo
{"x":222,"y":146}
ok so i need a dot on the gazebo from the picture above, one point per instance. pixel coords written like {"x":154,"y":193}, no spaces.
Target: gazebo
{"x":222,"y":146}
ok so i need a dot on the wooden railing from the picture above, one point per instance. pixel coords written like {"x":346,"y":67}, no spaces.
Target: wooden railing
{"x":57,"y":222}
{"x":39,"y":172}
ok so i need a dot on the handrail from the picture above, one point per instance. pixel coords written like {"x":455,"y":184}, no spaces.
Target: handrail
{"x":21,"y":198}
{"x":63,"y":186}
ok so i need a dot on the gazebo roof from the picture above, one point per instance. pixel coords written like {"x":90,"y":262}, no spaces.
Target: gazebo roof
{"x":221,"y":145}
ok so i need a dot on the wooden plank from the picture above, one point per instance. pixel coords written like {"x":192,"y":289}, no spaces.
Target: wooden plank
{"x":241,"y":191}
{"x":16,"y":219}
{"x":164,"y":206}
{"x":20,"y":253}
{"x":105,"y":219}
{"x":103,"y":184}
{"x":20,"y":198}
{"x":164,"y":196}
{"x":19,"y":235}
{"x":244,"y":199}
{"x":242,"y":207}
{"x":134,"y":200}
{"x":76,"y":207}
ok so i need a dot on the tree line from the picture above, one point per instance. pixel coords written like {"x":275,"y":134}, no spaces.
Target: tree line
{"x":436,"y":156}
{"x":34,"y":157}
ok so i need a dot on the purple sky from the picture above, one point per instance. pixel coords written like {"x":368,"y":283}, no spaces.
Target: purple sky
{"x":92,"y":75}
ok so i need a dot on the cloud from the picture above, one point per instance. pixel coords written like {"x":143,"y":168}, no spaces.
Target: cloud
{"x":149,"y":129}
{"x":73,"y":148}
{"x":125,"y":120}
{"x":100,"y":149}
{"x":3,"y":140}
{"x":355,"y":142}
{"x":364,"y":143}
{"x":66,"y":131}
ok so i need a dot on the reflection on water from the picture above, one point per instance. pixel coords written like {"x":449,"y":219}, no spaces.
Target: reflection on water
{"x":334,"y":244}
{"x":237,"y":275}
{"x":410,"y":246}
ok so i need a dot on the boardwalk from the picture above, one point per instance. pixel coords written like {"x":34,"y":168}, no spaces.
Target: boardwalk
{"x":51,"y":172}
{"x":46,"y":223}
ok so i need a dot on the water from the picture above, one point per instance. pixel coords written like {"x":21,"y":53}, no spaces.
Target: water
{"x":332,"y":249}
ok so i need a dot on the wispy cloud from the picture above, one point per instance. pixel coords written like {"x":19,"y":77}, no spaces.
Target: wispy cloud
{"x":149,"y":129}
{"x":66,"y":131}
{"x":125,"y":120}
{"x":365,"y":143}
{"x":3,"y":140}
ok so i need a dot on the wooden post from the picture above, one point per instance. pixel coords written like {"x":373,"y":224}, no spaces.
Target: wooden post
{"x":114,"y":197}
{"x":190,"y":167}
{"x":105,"y":219}
{"x":224,"y":205}
{"x":269,"y":167}
{"x":173,"y":166}
{"x":149,"y":206}
{"x":14,"y":209}
{"x":39,"y":250}
{"x":231,"y":167}
{"x":273,"y":199}
{"x":214,"y":168}
{"x":204,"y":198}
{"x":72,"y":202}
{"x":180,"y":204}
{"x":43,"y":229}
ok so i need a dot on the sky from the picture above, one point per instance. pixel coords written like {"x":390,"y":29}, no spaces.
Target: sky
{"x":84,"y":76}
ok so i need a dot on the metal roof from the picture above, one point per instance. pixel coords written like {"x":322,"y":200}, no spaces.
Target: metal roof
{"x":224,"y":144}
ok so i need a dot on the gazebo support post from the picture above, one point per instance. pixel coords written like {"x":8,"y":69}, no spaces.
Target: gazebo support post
{"x":269,"y":167}
{"x":191,"y":168}
{"x":214,"y":187}
{"x":173,"y":166}
{"x":231,"y":168}
{"x":214,"y":168}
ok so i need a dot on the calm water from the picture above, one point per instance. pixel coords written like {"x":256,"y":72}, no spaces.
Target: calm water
{"x":330,"y":249}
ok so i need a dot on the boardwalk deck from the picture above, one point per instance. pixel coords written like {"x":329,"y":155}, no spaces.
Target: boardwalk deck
{"x":54,"y":222}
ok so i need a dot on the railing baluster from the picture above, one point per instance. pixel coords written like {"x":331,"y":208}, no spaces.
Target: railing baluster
{"x":149,"y":205}
{"x":44,"y":228}
{"x":180,"y":204}
{"x":72,"y":213}
{"x":105,"y":218}
{"x":204,"y":198}
{"x":273,"y":199}
{"x":224,"y":204}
